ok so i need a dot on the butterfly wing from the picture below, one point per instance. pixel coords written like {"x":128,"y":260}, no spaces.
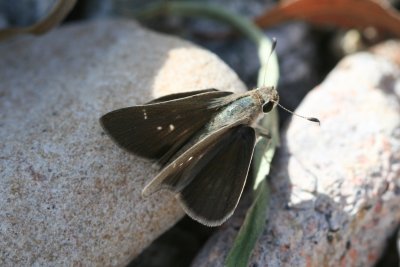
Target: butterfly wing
{"x":154,"y":129}
{"x":209,"y":177}
{"x":180,"y":95}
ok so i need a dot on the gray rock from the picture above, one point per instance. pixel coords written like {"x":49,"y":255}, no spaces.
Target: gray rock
{"x":68,"y":195}
{"x":24,"y":13}
{"x":335,"y":188}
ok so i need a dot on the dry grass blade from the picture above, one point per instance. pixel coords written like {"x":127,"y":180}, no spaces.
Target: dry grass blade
{"x":55,"y":16}
{"x":343,"y":13}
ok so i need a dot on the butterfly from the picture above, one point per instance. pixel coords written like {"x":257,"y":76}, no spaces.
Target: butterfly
{"x":204,"y":140}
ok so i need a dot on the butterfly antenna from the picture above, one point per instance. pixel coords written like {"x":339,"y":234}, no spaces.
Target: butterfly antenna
{"x":312,"y":119}
{"x":269,"y":56}
{"x":273,"y":47}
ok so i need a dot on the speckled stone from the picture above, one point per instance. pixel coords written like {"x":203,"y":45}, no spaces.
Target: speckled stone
{"x":68,"y":195}
{"x":335,"y":188}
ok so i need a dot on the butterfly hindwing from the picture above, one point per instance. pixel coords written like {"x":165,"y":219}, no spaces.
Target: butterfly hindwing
{"x":154,"y":129}
{"x":209,"y":177}
{"x":215,"y":191}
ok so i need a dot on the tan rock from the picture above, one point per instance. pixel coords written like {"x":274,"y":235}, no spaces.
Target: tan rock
{"x":335,"y":188}
{"x":68,"y":195}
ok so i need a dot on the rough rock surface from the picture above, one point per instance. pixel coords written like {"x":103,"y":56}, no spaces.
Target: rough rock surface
{"x":336,"y":188}
{"x":68,"y":195}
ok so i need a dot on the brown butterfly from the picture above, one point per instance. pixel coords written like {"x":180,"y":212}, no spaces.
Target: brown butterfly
{"x":203,"y":139}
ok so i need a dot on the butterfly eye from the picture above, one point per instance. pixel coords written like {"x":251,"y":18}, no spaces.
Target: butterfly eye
{"x":267,"y":107}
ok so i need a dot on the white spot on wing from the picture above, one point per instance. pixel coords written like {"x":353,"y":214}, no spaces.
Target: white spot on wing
{"x":171,"y":127}
{"x":159,"y":128}
{"x":144,"y":114}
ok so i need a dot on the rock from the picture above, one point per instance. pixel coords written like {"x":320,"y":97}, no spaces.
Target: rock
{"x":68,"y":195}
{"x":25,"y":13}
{"x":335,"y":188}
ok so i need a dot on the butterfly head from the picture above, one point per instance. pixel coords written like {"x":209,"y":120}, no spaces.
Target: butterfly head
{"x":269,"y":98}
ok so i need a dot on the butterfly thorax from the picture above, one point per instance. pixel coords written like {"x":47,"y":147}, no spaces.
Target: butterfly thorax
{"x":245,"y":108}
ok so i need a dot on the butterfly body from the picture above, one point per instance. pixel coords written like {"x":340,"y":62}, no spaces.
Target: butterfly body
{"x":203,"y":139}
{"x":247,"y":106}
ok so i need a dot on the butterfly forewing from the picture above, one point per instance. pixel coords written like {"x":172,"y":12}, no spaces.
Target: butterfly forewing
{"x":180,"y":95}
{"x":158,"y":128}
